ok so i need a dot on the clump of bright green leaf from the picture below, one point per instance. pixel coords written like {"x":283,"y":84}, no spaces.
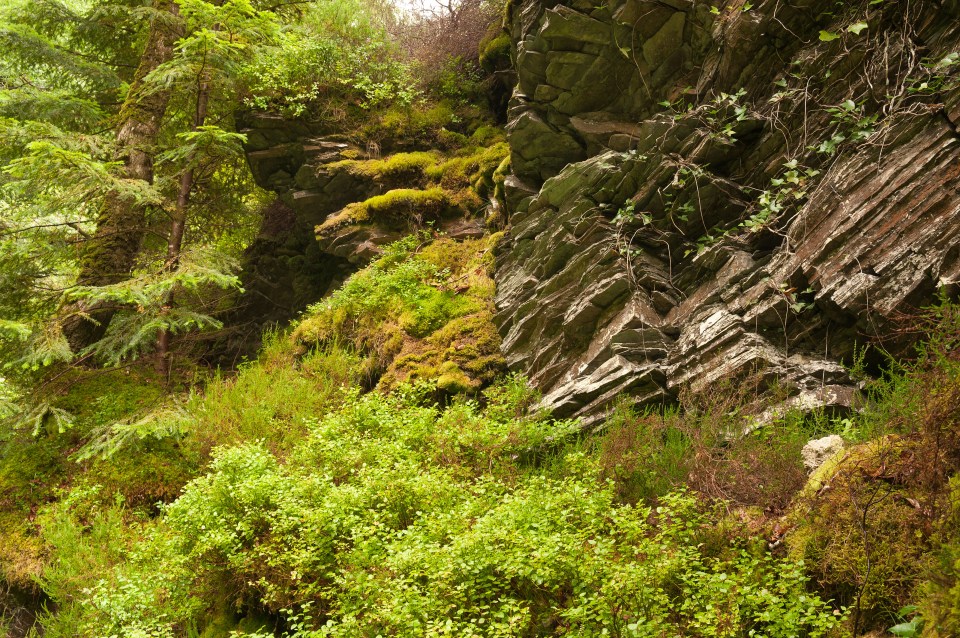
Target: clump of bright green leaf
{"x":397,"y":517}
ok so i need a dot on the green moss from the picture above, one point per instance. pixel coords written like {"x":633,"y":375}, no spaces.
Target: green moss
{"x":21,"y":552}
{"x":487,"y":135}
{"x":939,"y":599}
{"x":417,"y":315}
{"x":474,"y":169}
{"x":452,"y":139}
{"x":452,"y":380}
{"x":495,"y":52}
{"x":397,"y":167}
{"x":407,"y":127}
{"x":397,"y":207}
{"x":855,"y":527}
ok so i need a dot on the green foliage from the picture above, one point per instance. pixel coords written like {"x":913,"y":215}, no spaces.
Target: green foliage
{"x":146,"y":295}
{"x":270,"y":400}
{"x":63,"y":168}
{"x":940,"y":594}
{"x":334,"y":55}
{"x":707,"y":443}
{"x":406,"y":126}
{"x":220,"y":38}
{"x":789,"y":188}
{"x":401,"y":518}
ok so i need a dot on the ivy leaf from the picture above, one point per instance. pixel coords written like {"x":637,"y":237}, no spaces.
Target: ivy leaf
{"x":826,"y":36}
{"x":855,"y":29}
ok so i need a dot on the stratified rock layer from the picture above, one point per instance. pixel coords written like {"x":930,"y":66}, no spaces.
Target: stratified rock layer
{"x":697,"y":196}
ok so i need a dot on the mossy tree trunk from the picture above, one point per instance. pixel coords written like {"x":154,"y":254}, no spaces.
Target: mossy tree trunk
{"x":111,"y":253}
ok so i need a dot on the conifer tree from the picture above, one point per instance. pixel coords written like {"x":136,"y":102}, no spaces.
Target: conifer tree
{"x":111,"y":253}
{"x":136,"y":180}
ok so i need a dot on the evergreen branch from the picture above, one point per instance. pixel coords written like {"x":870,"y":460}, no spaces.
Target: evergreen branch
{"x":52,"y":225}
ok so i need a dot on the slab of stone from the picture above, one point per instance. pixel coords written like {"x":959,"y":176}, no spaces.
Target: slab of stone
{"x":818,"y":451}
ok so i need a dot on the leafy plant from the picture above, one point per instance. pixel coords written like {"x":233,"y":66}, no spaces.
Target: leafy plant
{"x":789,"y":188}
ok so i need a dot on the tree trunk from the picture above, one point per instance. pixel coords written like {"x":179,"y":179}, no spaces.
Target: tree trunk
{"x":111,"y":253}
{"x":178,"y":226}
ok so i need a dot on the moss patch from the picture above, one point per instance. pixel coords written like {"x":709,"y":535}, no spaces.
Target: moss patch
{"x":397,"y":208}
{"x":401,"y":167}
{"x":456,"y":186}
{"x":417,"y":313}
{"x":495,"y":52}
{"x":860,"y":527}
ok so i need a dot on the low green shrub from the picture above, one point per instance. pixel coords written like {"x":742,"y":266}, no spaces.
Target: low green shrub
{"x":396,"y":517}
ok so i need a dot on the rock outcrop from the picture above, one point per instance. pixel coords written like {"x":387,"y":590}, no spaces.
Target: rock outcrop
{"x":700,"y":193}
{"x":338,"y":204}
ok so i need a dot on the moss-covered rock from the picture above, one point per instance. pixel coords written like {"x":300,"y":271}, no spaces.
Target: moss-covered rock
{"x":861,"y":527}
{"x":399,"y":207}
{"x":434,"y":189}
{"x":397,"y":168}
{"x":417,"y":315}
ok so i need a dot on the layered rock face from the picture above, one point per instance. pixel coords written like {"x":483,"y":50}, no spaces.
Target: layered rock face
{"x":305,"y":247}
{"x":285,"y":268}
{"x":700,"y":194}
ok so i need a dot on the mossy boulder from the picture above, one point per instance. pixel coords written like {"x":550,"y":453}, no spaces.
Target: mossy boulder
{"x":399,"y":207}
{"x":437,"y":191}
{"x":400,"y":169}
{"x":862,"y":528}
{"x":495,"y":52}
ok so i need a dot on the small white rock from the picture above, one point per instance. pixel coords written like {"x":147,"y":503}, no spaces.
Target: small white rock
{"x":817,"y":451}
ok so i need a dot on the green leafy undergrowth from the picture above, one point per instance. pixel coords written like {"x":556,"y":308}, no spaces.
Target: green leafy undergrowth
{"x":271,"y":398}
{"x":428,"y":124}
{"x":121,"y":438}
{"x":38,"y":464}
{"x":424,"y":310}
{"x":394,"y":516}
